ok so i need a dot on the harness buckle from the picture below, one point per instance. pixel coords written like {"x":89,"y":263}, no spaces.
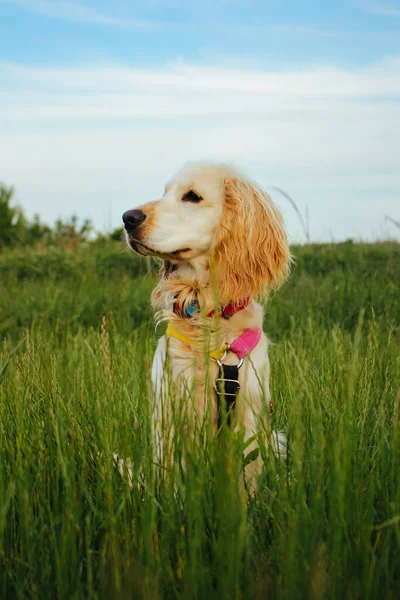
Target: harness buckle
{"x":224,"y":393}
{"x":227,"y":387}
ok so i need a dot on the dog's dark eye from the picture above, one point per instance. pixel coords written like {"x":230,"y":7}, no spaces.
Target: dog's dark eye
{"x":191,"y":196}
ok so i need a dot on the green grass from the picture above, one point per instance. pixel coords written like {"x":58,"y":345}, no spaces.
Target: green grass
{"x":74,"y":388}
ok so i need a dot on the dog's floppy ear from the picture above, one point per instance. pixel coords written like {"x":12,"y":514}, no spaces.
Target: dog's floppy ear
{"x":250,"y":252}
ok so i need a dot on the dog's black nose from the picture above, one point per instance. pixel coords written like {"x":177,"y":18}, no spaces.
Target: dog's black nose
{"x":133,"y":218}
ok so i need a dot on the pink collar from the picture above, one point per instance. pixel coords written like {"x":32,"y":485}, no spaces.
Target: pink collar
{"x":246,"y":342}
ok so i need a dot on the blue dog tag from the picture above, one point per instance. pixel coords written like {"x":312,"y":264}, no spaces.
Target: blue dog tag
{"x":191,"y":309}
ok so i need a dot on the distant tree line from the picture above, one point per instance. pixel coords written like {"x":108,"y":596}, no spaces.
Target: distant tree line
{"x":16,"y":229}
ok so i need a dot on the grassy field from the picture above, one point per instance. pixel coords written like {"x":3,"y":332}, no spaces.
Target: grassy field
{"x":76,"y":345}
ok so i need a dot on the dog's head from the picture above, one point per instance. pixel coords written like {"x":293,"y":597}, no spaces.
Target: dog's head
{"x":211,"y":211}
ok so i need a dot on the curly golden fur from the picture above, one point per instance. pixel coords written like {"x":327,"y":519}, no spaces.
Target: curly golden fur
{"x":250,"y":245}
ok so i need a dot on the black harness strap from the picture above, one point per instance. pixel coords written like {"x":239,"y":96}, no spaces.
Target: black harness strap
{"x":227,"y":387}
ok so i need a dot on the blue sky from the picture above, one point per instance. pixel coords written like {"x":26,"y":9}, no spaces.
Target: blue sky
{"x":100,"y":102}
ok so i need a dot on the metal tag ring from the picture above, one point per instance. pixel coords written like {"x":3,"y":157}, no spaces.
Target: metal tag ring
{"x":219,"y":362}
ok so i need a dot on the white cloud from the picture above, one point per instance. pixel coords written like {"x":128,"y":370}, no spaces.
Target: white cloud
{"x":83,"y":139}
{"x":378,"y":80}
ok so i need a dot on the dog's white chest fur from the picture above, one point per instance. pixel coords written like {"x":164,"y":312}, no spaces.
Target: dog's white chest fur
{"x":178,"y":371}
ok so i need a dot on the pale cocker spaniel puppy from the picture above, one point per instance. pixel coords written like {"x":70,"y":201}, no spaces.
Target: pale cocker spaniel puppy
{"x":223,"y":244}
